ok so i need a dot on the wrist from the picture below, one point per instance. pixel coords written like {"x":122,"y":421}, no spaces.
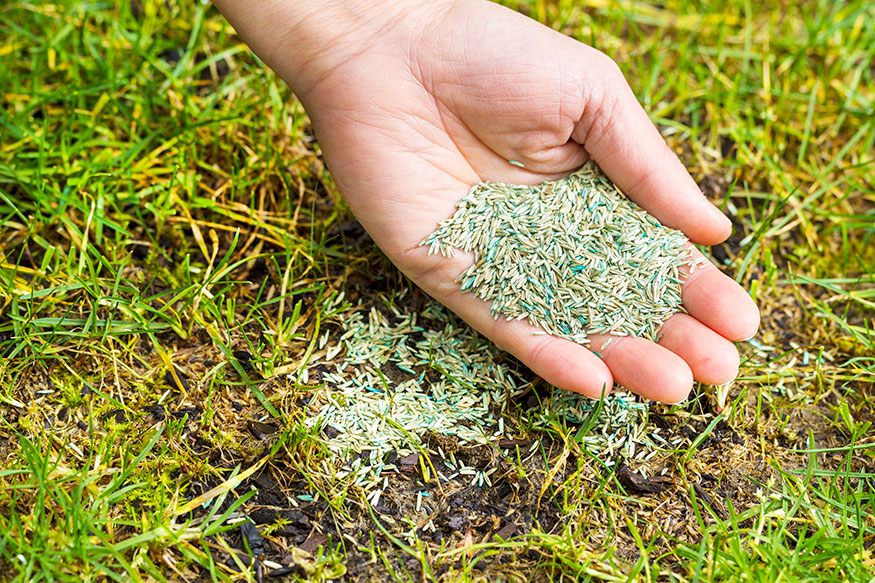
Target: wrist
{"x":305,"y":41}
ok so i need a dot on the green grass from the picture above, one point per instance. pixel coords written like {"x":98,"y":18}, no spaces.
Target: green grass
{"x":171,"y":241}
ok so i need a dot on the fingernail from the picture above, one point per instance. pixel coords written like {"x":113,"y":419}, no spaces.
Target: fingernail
{"x":727,"y":222}
{"x":681,"y":402}
{"x":752,"y":336}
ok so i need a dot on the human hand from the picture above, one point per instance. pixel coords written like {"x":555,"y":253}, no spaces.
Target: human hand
{"x":413,"y":103}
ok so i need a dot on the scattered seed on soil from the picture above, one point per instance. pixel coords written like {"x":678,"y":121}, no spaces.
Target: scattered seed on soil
{"x":400,"y":375}
{"x":574,"y":257}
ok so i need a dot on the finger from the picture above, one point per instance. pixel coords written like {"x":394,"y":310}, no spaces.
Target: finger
{"x":547,"y":162}
{"x":718,"y":302}
{"x":617,"y":133}
{"x":562,"y":363}
{"x":712,"y":358}
{"x":645,"y":368}
{"x":519,"y":158}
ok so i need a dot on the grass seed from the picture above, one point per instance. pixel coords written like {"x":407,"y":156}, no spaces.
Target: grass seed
{"x":574,"y":257}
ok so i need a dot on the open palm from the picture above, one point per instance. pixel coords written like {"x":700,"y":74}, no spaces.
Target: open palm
{"x":430,"y":101}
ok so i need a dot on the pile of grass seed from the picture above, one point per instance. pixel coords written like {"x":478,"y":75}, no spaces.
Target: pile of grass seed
{"x":574,"y":256}
{"x":395,"y":376}
{"x":401,"y":375}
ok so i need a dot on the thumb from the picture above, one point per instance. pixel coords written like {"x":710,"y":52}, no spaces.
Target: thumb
{"x":619,"y":136}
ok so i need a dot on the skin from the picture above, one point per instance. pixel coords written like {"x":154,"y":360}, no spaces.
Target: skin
{"x":414,"y":102}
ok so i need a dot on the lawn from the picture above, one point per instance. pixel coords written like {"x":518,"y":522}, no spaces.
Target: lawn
{"x":186,"y":305}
